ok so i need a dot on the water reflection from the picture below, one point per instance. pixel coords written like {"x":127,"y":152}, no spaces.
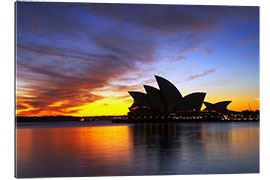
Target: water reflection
{"x":141,"y":149}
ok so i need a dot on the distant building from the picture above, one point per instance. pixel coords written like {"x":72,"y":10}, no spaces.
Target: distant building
{"x":168,"y":99}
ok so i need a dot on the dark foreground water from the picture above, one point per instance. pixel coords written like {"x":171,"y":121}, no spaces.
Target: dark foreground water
{"x":104,"y":149}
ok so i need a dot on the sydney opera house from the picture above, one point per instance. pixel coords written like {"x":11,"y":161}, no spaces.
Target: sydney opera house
{"x":168,"y":103}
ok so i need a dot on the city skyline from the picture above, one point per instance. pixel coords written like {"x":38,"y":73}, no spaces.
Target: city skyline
{"x":81,"y":59}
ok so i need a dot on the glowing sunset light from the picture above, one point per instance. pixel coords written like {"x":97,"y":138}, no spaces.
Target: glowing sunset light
{"x":73,"y":59}
{"x":56,"y":104}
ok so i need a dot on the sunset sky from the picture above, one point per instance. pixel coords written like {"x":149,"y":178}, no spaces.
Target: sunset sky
{"x":81,"y":59}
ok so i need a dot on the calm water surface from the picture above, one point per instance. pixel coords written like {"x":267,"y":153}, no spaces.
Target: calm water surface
{"x":104,"y":149}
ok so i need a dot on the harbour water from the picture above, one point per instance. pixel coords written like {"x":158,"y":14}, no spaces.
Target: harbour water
{"x":105,"y":149}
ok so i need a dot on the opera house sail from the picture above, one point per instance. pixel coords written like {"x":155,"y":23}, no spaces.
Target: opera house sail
{"x":156,"y":98}
{"x":170,"y":93}
{"x":219,"y":107}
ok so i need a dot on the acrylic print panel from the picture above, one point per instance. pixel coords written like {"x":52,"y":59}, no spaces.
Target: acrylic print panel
{"x":136,"y":89}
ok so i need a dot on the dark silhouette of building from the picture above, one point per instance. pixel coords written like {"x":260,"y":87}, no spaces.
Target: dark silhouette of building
{"x":167,"y":101}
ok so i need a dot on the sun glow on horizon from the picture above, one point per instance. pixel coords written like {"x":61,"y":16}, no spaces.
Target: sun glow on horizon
{"x":117,"y":107}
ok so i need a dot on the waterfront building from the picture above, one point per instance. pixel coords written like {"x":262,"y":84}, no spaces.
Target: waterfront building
{"x":167,"y":102}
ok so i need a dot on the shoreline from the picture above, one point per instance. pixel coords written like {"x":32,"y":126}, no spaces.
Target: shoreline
{"x":179,"y":121}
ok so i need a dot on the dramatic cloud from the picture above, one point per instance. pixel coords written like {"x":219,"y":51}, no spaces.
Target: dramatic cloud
{"x":63,"y":60}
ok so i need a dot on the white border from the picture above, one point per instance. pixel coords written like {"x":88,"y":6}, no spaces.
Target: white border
{"x":7,"y":86}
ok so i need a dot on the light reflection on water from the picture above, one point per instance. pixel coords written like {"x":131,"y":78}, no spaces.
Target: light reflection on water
{"x":142,"y":149}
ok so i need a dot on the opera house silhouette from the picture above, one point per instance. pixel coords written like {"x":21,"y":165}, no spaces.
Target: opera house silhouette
{"x":167,"y":102}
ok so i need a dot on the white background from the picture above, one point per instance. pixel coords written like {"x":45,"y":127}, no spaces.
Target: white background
{"x":7,"y":24}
